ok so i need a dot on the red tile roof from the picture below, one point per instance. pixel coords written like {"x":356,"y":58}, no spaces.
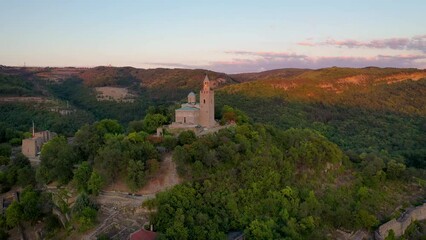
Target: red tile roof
{"x":143,"y":235}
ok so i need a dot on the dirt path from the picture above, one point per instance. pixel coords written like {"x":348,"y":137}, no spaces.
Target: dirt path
{"x":120,"y":213}
{"x":166,"y":177}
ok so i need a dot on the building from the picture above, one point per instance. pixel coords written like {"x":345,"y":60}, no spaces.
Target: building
{"x":31,"y":147}
{"x":192,"y":114}
{"x":143,"y":235}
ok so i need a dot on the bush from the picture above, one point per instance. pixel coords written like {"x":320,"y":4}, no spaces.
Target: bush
{"x":5,"y":150}
{"x":186,"y":137}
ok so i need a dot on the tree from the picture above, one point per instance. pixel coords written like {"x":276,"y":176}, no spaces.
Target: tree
{"x":57,"y":161}
{"x":87,"y":141}
{"x":210,"y":158}
{"x":108,"y":126}
{"x":110,"y":161}
{"x":152,"y":121}
{"x":30,"y":205}
{"x":82,"y":175}
{"x":5,"y":150}
{"x":20,"y":160}
{"x":186,"y":137}
{"x":25,"y":176}
{"x":178,"y":230}
{"x":230,"y":114}
{"x":13,"y":214}
{"x":87,"y":218}
{"x":261,"y":229}
{"x":95,"y":183}
{"x":169,"y":142}
{"x":136,"y":126}
{"x":394,"y":169}
{"x":4,"y":160}
{"x":83,"y":201}
{"x":84,"y":211}
{"x":137,"y":137}
{"x":366,"y":220}
{"x":153,"y":166}
{"x":135,"y":175}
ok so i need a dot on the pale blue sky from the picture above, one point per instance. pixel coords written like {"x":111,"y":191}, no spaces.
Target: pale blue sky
{"x":229,"y":36}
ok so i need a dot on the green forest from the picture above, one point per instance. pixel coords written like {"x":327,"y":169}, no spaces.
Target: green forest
{"x":275,"y":184}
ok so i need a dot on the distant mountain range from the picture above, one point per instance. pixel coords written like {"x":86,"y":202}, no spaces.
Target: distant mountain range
{"x":303,"y":84}
{"x":394,"y":89}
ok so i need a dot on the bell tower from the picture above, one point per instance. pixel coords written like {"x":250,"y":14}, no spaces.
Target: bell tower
{"x":207,"y":104}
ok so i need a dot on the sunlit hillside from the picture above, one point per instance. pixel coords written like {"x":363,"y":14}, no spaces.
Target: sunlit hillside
{"x":399,"y":90}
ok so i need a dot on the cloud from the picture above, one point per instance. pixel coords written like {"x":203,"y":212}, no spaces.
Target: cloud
{"x":414,"y":43}
{"x":269,"y":55}
{"x":256,"y":61}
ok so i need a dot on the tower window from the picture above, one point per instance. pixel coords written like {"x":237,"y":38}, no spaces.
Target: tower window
{"x":204,"y":101}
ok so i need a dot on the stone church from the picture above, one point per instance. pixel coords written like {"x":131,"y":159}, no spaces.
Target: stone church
{"x":193,"y":114}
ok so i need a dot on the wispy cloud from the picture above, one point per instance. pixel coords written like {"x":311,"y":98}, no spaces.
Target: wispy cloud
{"x":255,"y":61}
{"x":269,"y":55}
{"x":413,"y":43}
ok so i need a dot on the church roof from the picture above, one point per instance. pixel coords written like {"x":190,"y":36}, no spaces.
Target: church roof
{"x":188,"y":109}
{"x":191,"y":94}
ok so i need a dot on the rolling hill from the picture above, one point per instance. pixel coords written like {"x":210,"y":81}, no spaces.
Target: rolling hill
{"x":362,"y":110}
{"x":400,"y":90}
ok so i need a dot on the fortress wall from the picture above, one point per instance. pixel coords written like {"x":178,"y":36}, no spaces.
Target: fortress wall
{"x":401,"y":224}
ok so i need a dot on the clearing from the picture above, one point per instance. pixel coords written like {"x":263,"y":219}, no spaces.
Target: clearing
{"x":114,"y":94}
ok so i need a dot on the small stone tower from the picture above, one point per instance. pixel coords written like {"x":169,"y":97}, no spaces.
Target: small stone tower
{"x":207,"y":104}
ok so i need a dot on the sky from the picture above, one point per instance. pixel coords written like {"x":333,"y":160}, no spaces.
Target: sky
{"x":227,"y":36}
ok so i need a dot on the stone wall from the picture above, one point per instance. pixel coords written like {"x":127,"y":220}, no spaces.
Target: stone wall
{"x":401,"y":224}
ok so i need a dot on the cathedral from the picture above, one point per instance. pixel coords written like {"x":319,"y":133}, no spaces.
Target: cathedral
{"x":192,"y":114}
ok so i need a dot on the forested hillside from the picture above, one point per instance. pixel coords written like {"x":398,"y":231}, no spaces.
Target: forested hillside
{"x":274,"y":184}
{"x":361,"y":110}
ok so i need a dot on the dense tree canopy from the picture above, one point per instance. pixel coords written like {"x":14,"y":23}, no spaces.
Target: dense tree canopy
{"x":271,"y":184}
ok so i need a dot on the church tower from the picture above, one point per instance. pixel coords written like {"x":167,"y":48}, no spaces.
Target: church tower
{"x":207,"y":104}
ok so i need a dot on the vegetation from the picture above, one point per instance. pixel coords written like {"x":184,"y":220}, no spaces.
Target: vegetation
{"x":104,"y":154}
{"x":84,"y":98}
{"x":17,"y":86}
{"x":312,"y":150}
{"x":355,"y":129}
{"x":274,"y":184}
